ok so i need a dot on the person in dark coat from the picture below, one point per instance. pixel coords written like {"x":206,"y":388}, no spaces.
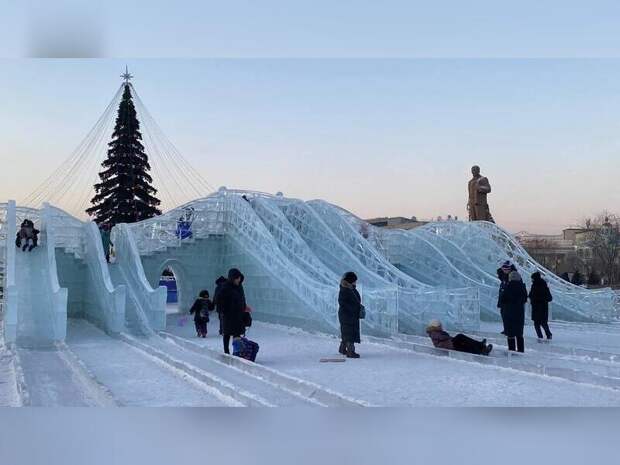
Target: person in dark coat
{"x":513,"y":301}
{"x":231,"y":305}
{"x":200,"y":310}
{"x":540,"y":296}
{"x":219,"y":282}
{"x":502,"y":275}
{"x":27,"y":236}
{"x":106,"y":241}
{"x":460,"y":342}
{"x":350,"y":309}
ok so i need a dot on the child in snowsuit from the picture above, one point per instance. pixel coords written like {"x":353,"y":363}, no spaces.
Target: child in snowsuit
{"x":200,"y":310}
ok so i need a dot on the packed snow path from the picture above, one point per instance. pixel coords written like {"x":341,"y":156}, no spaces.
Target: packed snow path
{"x":136,"y":378}
{"x":52,"y":377}
{"x":387,"y":375}
{"x":590,"y":336}
{"x":9,"y":395}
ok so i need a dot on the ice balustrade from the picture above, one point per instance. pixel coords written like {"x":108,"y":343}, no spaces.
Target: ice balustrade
{"x":417,"y":257}
{"x":105,"y":305}
{"x":68,"y":230}
{"x":382,"y":312}
{"x":290,"y":242}
{"x":458,"y":306}
{"x":40,"y":312}
{"x":488,"y":246}
{"x":457,"y":257}
{"x":10,"y":291}
{"x":571,"y":302}
{"x":227,"y":213}
{"x":413,"y":303}
{"x":146,"y":306}
{"x":3,"y":243}
{"x":381,"y":315}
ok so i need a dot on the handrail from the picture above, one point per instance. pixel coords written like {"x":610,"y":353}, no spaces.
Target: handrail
{"x":11,"y":291}
{"x":111,"y":299}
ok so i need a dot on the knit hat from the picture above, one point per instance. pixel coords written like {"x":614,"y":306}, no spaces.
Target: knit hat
{"x":204,"y":294}
{"x":434,"y":325}
{"x":234,"y":273}
{"x":350,"y":277}
{"x":507,"y":266}
{"x":220,"y":280}
{"x":514,"y":276}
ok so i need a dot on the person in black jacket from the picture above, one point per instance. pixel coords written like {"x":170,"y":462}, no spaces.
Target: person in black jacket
{"x":219,"y":282}
{"x":540,"y":296}
{"x":200,"y":310}
{"x":513,"y":301}
{"x":502,"y":275}
{"x":230,"y":303}
{"x":349,"y":313}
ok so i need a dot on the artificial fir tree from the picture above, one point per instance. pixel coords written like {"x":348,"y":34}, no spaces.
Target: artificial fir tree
{"x":125,"y":193}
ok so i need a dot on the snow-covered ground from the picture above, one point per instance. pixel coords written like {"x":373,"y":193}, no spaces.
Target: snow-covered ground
{"x":9,"y":396}
{"x":388,"y":375}
{"x":135,"y":378}
{"x":575,"y":335}
{"x":178,"y":369}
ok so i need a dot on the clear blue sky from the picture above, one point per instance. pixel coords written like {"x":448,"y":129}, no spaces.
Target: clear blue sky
{"x":379,"y":137}
{"x":303,"y":28}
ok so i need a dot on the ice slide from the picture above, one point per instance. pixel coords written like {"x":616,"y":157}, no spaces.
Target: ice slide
{"x":227,"y":232}
{"x":65,"y":276}
{"x":383,"y":301}
{"x":487,"y":246}
{"x":342,"y":248}
{"x":418,"y":258}
{"x":41,"y":304}
{"x":82,"y":269}
{"x":293,"y":254}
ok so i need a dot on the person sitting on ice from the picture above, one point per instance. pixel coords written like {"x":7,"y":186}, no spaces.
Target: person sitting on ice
{"x":200,"y":310}
{"x":27,"y":237}
{"x":441,"y":339}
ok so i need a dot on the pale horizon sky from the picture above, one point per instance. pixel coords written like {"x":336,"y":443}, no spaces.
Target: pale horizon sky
{"x":379,"y":137}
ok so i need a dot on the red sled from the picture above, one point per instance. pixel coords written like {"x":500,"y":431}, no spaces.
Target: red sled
{"x":244,"y":348}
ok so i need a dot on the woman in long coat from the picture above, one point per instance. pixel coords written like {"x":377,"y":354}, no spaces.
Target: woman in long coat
{"x":512,"y":302}
{"x":349,"y":313}
{"x":231,"y":305}
{"x":540,"y":296}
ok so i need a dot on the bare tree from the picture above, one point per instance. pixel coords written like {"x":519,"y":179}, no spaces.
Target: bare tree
{"x":602,"y":237}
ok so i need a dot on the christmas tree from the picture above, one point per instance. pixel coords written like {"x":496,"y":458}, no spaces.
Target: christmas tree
{"x":125,"y":193}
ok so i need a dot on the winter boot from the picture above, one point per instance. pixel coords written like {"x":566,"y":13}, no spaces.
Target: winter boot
{"x":30,"y":248}
{"x":488,"y":349}
{"x":351,"y":351}
{"x":343,"y":348}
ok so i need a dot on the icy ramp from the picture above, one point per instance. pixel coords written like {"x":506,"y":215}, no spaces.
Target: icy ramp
{"x":41,"y":304}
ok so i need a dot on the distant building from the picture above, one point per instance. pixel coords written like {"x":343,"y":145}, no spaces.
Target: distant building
{"x":396,"y":222}
{"x":557,"y":253}
{"x":561,"y":253}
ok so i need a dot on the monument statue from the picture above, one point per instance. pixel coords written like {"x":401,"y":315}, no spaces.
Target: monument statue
{"x":478,"y":189}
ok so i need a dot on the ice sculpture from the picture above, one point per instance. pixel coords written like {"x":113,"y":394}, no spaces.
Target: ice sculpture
{"x":292,"y":253}
{"x":487,"y":246}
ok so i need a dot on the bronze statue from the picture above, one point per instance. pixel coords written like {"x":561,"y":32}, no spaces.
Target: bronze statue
{"x":477,"y":205}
